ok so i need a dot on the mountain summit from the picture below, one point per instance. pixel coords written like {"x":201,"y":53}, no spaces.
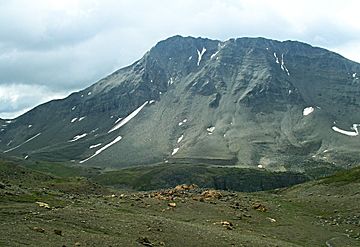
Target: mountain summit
{"x":246,"y":101}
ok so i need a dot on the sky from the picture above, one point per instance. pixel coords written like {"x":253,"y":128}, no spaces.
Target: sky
{"x":49,"y":48}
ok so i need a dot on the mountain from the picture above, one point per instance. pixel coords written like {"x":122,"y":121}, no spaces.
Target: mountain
{"x":246,"y":101}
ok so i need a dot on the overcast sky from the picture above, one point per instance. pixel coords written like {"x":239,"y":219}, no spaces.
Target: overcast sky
{"x":49,"y":48}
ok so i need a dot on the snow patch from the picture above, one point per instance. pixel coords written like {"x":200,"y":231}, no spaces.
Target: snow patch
{"x":354,"y":75}
{"x":183,"y":121}
{"x":151,"y":102}
{"x":190,"y":58}
{"x":73,"y":120}
{"x":200,"y":54}
{"x":128,"y":118}
{"x":73,"y":108}
{"x":308,"y":110}
{"x":210,"y":129}
{"x":30,"y":139}
{"x":180,"y":138}
{"x":95,"y":146}
{"x":119,"y":119}
{"x":260,"y":166}
{"x":30,"y":125}
{"x":81,"y":118}
{"x":175,"y":151}
{"x":8,"y":122}
{"x":283,"y":67}
{"x":213,"y":55}
{"x":276,"y":58}
{"x":117,"y":139}
{"x":75,"y":138}
{"x":348,"y":133}
{"x":170,"y":81}
{"x":89,"y":93}
{"x":26,"y":157}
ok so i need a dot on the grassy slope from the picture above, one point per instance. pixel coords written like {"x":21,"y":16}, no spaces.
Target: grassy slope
{"x":309,"y":214}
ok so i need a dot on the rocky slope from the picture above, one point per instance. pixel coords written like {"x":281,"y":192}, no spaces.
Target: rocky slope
{"x":246,"y":101}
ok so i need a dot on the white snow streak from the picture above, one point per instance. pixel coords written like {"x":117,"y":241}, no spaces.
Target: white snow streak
{"x":276,"y":58}
{"x":95,"y":145}
{"x":308,"y":110}
{"x":170,"y":81}
{"x":128,"y":118}
{"x":32,"y":138}
{"x":73,"y":108}
{"x":200,"y":54}
{"x":118,"y":120}
{"x":30,"y":125}
{"x":180,"y":138}
{"x":151,"y":102}
{"x":81,"y":118}
{"x":75,"y":138}
{"x":74,"y":119}
{"x":175,"y":151}
{"x":348,"y":133}
{"x":117,"y":139}
{"x":283,"y":67}
{"x":354,"y":75}
{"x":213,"y":55}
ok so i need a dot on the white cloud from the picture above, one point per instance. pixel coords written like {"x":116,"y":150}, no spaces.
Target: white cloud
{"x":16,"y":99}
{"x":69,"y":44}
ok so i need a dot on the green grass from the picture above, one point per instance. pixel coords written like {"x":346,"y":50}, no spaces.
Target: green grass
{"x":344,"y":177}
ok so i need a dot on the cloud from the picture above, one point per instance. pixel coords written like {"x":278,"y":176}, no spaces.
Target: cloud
{"x":69,"y":44}
{"x":15,"y":98}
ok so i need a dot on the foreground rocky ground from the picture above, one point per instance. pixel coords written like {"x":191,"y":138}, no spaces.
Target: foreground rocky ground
{"x":38,"y":209}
